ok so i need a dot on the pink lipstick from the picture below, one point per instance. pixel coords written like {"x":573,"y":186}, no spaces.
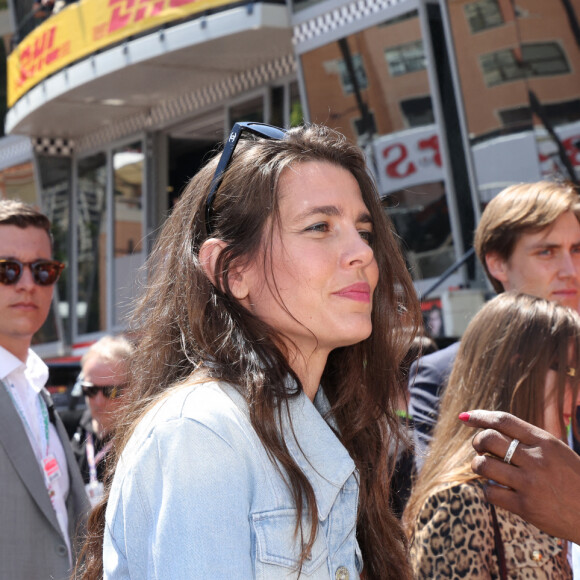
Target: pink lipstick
{"x":360,"y":292}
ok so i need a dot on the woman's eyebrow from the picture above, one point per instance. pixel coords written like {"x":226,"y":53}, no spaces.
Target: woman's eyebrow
{"x":327,"y":210}
{"x":332,"y":211}
{"x":365,"y":218}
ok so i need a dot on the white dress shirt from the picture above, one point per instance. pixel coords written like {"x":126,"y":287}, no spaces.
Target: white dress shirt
{"x":25,"y":382}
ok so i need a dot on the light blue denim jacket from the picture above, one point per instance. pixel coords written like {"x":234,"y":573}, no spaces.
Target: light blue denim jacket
{"x":195,"y":494}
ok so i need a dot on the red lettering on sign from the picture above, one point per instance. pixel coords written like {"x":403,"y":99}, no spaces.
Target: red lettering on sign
{"x":392,"y":168}
{"x":178,"y":3}
{"x":432,"y":143}
{"x":572,"y":150}
{"x":37,"y":54}
{"x":156,"y":9}
{"x":40,"y":45}
{"x":132,"y":11}
{"x":120,"y":19}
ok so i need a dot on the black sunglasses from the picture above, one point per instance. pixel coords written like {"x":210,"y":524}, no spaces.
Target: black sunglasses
{"x":44,"y":272}
{"x":109,"y":391}
{"x":259,"y":129}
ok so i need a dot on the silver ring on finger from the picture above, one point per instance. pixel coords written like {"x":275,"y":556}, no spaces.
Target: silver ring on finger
{"x":511,"y":450}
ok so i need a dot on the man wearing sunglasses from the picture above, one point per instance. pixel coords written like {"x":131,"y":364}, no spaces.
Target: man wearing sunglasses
{"x":104,"y":370}
{"x":42,"y":497}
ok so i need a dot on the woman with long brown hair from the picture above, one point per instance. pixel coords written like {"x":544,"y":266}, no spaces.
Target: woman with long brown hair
{"x":262,"y":401}
{"x":519,"y":355}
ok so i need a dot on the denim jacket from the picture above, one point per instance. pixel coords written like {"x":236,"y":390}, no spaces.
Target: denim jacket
{"x":195,"y":494}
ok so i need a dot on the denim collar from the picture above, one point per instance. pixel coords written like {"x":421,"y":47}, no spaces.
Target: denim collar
{"x":314,"y":447}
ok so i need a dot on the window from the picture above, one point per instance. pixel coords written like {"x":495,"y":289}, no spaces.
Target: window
{"x":418,"y":111}
{"x":128,"y":214}
{"x":518,"y":117}
{"x":359,"y":125}
{"x":558,"y":113}
{"x":399,"y":19}
{"x":545,"y":59}
{"x":338,"y":67}
{"x":406,"y":58}
{"x":92,"y":244}
{"x":482,"y":15}
{"x":55,"y":183}
{"x":421,"y":219}
{"x":541,"y":59}
{"x":249,"y":110}
{"x":285,"y":106}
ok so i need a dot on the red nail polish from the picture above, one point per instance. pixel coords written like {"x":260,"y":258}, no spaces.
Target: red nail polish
{"x":464,"y":417}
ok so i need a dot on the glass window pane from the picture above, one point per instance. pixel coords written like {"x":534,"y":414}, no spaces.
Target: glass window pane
{"x":406,"y":58}
{"x":92,"y":244}
{"x":55,"y":174}
{"x":296,"y":113}
{"x":418,"y":111}
{"x":540,"y":51}
{"x":252,"y":110}
{"x":129,"y":252}
{"x":359,"y":71}
{"x":421,"y":217}
{"x":549,"y":67}
{"x":483,"y":14}
{"x":17,"y":182}
{"x":277,"y":106}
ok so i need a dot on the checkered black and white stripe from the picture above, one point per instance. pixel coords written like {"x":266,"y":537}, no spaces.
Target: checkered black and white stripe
{"x":339,"y":17}
{"x":189,"y":103}
{"x":54,"y":146}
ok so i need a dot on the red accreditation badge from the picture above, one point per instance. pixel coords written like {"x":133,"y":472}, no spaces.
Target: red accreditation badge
{"x":51,"y":467}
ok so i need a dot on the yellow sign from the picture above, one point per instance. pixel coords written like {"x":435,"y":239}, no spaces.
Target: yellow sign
{"x":44,"y":51}
{"x":85,"y":27}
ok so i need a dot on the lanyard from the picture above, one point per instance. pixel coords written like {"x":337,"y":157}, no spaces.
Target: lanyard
{"x":44,"y":416}
{"x":47,"y":463}
{"x":92,"y":459}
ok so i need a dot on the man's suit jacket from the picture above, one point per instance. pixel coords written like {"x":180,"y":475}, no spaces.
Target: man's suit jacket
{"x":31,"y":543}
{"x":427,"y":379}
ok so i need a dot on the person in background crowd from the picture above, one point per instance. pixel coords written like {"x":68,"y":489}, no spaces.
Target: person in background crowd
{"x":515,"y":356}
{"x":267,"y":375}
{"x":528,"y":240}
{"x":541,"y":481}
{"x":402,"y":479}
{"x":434,"y":322}
{"x":42,"y":497}
{"x":104,"y":374}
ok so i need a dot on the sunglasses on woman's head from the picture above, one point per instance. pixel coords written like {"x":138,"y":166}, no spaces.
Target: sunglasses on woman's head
{"x":44,"y":272}
{"x":258,"y":129}
{"x":109,"y":391}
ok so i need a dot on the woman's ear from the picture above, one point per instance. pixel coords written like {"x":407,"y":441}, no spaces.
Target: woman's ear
{"x":209,"y":254}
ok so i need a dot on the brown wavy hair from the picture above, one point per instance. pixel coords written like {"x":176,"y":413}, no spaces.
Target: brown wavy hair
{"x":525,"y":208}
{"x":501,"y":365}
{"x":183,"y":321}
{"x":14,"y":212}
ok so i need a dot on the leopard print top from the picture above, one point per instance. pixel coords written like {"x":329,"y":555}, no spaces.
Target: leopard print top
{"x":454,"y":539}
